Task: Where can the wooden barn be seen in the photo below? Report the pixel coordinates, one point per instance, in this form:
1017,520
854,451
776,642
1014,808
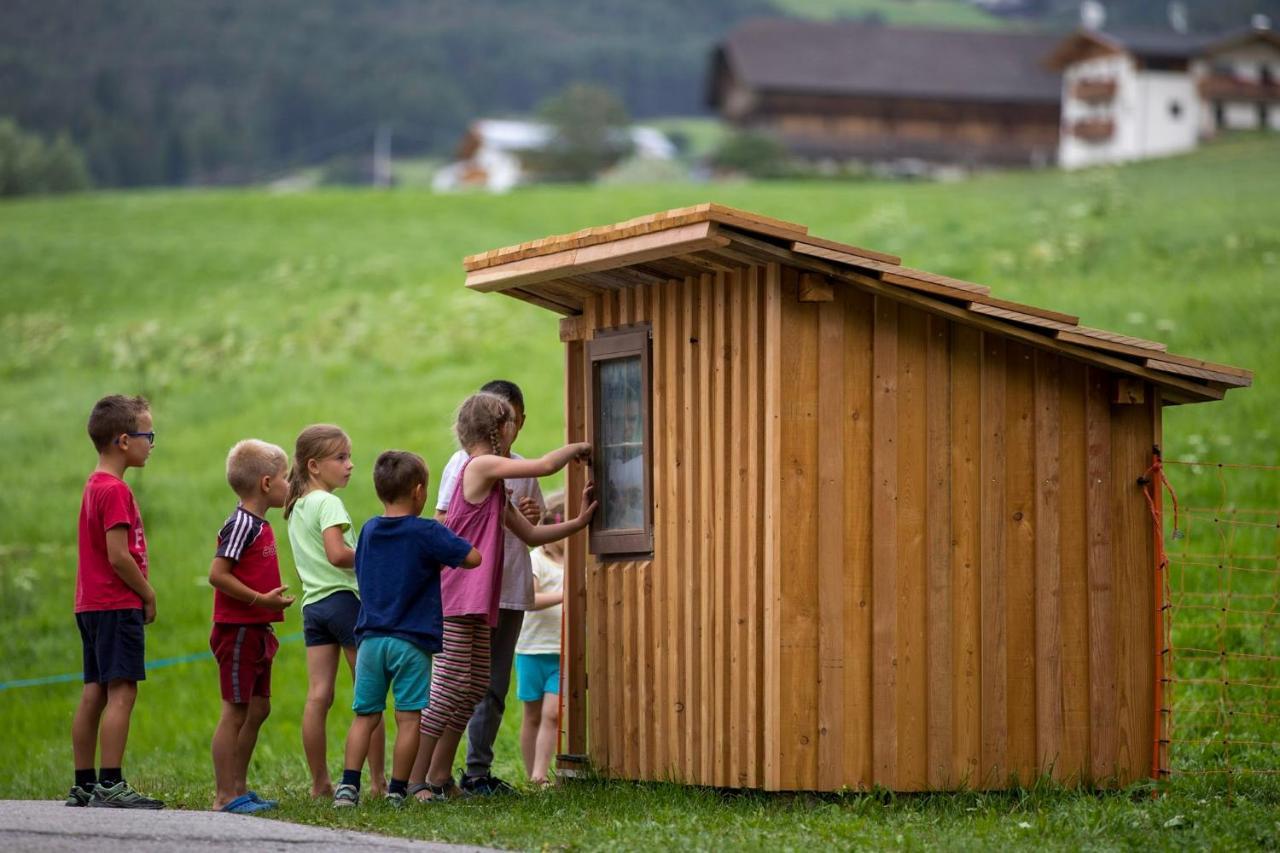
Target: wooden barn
860,524
847,90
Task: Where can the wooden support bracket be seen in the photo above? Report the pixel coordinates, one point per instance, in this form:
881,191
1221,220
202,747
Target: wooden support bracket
1127,391
573,328
815,288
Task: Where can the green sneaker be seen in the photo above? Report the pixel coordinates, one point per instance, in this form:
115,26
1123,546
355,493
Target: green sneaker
121,796
80,797
346,796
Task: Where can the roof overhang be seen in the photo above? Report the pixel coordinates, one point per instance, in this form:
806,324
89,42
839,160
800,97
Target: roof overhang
564,272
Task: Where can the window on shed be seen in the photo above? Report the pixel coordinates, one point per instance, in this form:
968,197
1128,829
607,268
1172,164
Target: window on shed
1175,109
620,416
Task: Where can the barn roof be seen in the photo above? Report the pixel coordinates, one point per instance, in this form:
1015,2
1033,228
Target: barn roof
848,58
1152,43
561,273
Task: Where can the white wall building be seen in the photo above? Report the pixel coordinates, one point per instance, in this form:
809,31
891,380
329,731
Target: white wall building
492,155
1134,95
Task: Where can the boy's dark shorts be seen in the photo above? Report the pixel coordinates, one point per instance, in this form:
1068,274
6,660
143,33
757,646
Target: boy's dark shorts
244,654
331,620
114,645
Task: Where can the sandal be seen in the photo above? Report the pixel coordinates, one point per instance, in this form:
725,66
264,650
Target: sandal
439,793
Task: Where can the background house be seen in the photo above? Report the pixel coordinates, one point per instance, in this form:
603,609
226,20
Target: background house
864,91
1134,94
494,154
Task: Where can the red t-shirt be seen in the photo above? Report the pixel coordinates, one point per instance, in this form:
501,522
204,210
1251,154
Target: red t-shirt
248,542
107,503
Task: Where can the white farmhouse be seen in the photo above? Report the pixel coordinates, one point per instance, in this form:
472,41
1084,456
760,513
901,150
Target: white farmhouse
493,153
1131,95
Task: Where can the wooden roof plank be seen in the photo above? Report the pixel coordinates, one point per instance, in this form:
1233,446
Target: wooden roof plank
1198,373
601,256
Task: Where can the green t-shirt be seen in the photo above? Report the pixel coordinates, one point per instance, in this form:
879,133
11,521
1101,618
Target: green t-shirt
313,514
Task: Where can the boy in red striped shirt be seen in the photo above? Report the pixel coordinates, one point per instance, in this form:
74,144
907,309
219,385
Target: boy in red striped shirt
247,598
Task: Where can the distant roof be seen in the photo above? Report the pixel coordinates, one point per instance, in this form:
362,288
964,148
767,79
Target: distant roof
1157,43
561,273
845,57
521,135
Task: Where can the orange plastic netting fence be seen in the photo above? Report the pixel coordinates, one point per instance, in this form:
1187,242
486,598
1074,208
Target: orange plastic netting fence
1218,627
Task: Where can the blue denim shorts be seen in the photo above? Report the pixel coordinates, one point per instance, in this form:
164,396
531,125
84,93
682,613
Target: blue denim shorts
390,662
537,675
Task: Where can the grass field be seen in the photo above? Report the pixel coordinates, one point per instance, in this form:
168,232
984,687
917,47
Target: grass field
934,13
241,313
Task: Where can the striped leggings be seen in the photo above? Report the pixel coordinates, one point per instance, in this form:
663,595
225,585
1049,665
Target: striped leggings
459,677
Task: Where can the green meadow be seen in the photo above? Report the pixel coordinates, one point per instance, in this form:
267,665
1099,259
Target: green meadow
244,313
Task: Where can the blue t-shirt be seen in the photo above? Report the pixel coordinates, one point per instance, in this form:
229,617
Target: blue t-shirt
398,569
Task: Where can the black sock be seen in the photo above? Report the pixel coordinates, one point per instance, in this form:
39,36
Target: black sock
86,778
398,786
109,776
351,777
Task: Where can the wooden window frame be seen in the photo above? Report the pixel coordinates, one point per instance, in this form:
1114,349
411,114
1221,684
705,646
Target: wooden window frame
608,345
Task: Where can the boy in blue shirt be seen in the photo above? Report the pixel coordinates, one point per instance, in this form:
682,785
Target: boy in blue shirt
398,560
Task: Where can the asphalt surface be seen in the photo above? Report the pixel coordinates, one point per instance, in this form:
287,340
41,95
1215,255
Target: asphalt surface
34,825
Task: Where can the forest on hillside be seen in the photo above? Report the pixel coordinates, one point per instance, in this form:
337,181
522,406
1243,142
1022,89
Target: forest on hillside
232,91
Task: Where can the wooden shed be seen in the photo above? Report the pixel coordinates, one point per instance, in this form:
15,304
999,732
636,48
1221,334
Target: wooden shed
860,524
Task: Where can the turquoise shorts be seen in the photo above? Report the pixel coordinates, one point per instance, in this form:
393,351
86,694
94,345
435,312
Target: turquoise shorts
537,675
383,662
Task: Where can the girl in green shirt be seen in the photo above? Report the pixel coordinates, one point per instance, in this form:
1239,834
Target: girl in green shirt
323,542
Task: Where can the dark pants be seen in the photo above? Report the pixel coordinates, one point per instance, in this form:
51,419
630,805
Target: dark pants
482,731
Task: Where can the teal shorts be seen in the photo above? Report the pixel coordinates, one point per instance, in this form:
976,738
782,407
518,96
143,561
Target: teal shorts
537,675
383,662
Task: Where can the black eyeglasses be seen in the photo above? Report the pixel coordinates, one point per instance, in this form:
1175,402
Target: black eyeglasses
149,436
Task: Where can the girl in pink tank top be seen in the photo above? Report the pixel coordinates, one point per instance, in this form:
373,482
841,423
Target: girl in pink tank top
478,512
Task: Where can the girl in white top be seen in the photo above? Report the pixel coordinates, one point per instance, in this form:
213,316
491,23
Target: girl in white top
538,654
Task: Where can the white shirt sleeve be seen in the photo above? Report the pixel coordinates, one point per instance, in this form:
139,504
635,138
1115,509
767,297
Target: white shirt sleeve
449,479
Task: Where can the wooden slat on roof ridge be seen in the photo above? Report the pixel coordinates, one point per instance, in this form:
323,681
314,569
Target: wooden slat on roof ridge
705,212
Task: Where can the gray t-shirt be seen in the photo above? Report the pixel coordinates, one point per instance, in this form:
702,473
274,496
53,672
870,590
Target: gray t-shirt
517,570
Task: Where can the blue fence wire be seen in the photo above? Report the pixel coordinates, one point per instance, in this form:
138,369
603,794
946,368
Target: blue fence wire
161,663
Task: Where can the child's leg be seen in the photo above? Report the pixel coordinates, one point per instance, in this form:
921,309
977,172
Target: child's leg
450,678
225,749
405,752
472,688
548,736
362,727
84,725
377,742
529,734
259,710
114,734
322,669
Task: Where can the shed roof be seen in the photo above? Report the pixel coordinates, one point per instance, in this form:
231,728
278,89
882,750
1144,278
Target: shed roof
849,58
562,272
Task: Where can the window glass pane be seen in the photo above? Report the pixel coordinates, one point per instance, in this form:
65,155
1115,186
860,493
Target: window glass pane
621,442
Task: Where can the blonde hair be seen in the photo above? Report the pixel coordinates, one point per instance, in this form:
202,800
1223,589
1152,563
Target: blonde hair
554,514
318,441
251,460
479,419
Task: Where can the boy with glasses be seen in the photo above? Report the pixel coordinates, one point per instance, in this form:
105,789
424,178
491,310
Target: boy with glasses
113,601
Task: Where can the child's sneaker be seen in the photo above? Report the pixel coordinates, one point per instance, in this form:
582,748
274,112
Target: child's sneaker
346,796
80,797
396,800
486,785
121,796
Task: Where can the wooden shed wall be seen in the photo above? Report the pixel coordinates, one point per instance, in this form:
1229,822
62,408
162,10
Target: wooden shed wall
965,559
857,579
673,646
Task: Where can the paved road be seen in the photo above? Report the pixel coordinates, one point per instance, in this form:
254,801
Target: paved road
49,827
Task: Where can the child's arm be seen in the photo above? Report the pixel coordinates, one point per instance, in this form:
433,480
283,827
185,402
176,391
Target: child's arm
473,559
336,550
544,533
126,567
505,468
543,600
221,578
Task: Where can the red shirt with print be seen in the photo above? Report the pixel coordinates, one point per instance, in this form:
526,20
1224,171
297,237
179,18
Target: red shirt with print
108,502
247,541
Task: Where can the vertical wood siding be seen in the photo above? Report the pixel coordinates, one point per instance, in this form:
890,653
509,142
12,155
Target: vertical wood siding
888,549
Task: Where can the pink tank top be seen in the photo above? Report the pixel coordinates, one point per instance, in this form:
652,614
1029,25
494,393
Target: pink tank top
475,592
